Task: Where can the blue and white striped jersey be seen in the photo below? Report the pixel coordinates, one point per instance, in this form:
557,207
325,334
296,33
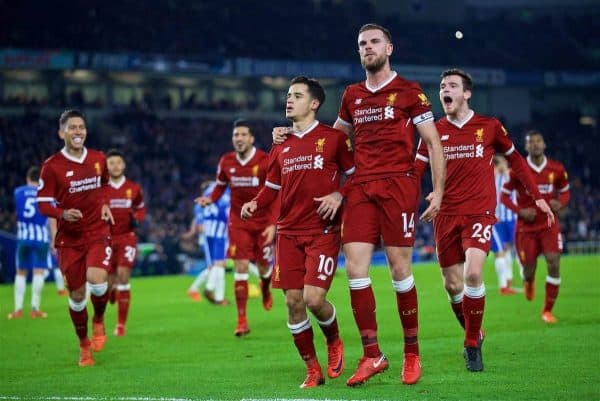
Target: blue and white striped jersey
32,226
502,212
215,215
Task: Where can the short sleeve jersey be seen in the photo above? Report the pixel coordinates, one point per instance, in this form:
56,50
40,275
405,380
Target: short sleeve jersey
503,213
469,149
384,121
551,178
125,198
309,165
245,178
214,217
32,226
76,184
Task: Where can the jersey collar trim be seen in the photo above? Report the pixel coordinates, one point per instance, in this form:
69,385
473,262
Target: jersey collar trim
535,167
75,159
244,162
383,84
117,184
462,123
301,134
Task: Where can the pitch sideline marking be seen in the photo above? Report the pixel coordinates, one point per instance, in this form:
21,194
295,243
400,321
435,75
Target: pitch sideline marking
89,398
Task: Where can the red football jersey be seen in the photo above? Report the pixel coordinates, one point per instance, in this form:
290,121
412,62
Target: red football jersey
551,179
469,149
246,178
126,202
384,120
309,165
72,183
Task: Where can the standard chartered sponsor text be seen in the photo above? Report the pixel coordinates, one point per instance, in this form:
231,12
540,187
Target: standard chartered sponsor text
367,115
85,184
459,152
298,163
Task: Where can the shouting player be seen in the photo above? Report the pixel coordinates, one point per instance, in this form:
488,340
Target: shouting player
463,227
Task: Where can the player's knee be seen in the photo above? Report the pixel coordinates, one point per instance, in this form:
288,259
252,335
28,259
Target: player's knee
77,295
553,266
294,301
400,268
314,303
473,278
96,276
453,287
98,289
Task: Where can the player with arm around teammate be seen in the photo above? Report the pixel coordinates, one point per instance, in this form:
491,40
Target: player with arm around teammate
381,115
306,170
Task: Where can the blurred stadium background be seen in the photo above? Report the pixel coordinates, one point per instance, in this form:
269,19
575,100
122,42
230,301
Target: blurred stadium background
164,80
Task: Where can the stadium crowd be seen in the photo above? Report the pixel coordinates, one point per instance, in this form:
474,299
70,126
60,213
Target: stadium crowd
195,28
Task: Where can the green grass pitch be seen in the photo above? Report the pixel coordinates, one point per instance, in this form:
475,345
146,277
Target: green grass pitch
178,349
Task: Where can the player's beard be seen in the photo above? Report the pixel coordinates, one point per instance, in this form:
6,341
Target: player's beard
376,65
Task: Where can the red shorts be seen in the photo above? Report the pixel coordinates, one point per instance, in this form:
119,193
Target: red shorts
306,259
124,251
386,209
249,244
530,244
74,261
455,234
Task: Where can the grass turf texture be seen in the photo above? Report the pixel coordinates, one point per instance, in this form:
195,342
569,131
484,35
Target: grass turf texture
176,348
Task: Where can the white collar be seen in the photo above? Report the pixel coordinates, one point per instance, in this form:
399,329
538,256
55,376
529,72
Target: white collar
244,162
462,123
117,184
535,167
384,83
73,158
301,134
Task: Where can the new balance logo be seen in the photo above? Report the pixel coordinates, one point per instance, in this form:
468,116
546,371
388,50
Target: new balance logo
445,137
286,149
69,173
358,101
